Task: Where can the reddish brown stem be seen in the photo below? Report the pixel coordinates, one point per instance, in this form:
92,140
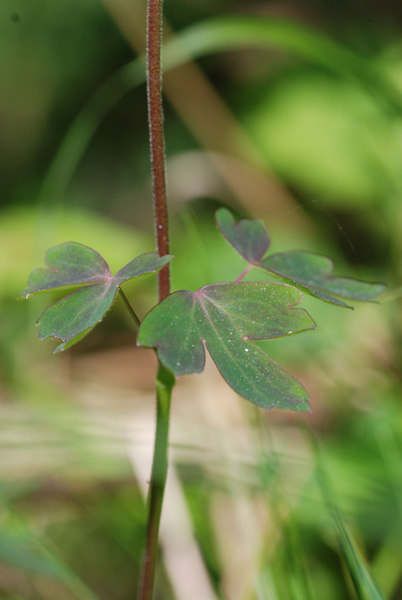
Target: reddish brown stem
244,273
155,114
165,380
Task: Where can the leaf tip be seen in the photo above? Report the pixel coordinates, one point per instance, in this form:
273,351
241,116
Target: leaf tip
59,348
24,295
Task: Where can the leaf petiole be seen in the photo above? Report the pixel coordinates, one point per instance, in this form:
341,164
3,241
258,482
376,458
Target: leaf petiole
129,307
244,273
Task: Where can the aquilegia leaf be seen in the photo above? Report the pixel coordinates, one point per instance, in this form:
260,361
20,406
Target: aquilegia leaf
73,264
308,271
313,272
224,318
78,312
68,264
249,236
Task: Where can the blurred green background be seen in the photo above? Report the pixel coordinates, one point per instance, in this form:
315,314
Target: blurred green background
288,111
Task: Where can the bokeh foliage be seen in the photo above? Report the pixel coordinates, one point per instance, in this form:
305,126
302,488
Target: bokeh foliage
303,131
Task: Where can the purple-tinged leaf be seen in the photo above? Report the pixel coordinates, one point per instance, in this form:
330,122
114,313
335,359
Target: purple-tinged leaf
249,236
224,318
75,264
313,272
74,340
141,265
68,264
76,313
307,270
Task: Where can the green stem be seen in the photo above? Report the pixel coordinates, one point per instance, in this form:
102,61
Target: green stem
129,307
164,384
165,379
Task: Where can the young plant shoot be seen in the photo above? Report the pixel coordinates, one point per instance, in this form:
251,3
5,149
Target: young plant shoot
223,318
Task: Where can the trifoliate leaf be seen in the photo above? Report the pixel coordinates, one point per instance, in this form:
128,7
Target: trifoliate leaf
306,270
73,264
313,271
224,318
249,237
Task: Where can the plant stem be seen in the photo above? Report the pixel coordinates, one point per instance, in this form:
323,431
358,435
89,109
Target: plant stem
155,115
165,380
164,384
244,273
130,308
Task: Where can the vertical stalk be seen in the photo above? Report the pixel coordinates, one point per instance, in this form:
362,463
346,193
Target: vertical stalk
155,115
164,384
165,379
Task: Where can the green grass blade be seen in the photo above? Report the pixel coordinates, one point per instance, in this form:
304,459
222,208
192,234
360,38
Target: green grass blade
27,553
363,581
209,37
360,573
226,33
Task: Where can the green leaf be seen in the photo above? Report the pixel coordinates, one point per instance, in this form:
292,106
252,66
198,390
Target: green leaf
249,237
313,271
224,318
77,312
74,340
306,270
25,551
145,263
71,264
68,264
360,573
211,36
